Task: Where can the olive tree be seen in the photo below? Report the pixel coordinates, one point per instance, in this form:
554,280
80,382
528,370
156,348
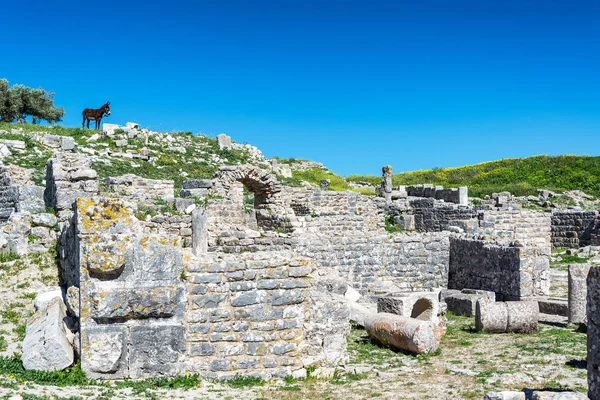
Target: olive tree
19,102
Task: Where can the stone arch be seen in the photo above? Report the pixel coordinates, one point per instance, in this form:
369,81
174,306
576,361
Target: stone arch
264,185
422,309
271,211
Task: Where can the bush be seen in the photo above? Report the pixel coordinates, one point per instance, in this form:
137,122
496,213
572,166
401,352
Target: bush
19,101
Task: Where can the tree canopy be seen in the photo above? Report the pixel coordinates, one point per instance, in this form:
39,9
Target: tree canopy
19,102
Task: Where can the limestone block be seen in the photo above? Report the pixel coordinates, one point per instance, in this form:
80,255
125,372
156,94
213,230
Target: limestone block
67,143
505,395
46,346
109,129
121,142
104,351
51,141
578,293
552,395
40,232
593,333
199,231
31,199
135,303
83,174
43,299
224,141
404,333
72,300
155,258
419,305
44,219
464,303
156,350
198,184
182,204
352,294
510,316
132,125
104,255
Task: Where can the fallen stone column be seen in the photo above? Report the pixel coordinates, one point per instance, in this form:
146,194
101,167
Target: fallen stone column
404,333
578,293
510,316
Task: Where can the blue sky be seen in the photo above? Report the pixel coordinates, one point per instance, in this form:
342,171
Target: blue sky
355,85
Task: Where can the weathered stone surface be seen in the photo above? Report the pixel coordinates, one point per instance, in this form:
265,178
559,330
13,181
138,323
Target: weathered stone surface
104,351
510,316
67,143
72,300
593,332
578,293
198,184
505,395
44,219
135,303
46,346
464,302
155,258
419,305
560,395
224,141
44,298
404,333
156,350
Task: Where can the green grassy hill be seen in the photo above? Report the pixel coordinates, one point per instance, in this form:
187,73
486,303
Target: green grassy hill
520,176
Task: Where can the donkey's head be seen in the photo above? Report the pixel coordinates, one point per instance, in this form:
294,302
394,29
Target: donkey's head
106,108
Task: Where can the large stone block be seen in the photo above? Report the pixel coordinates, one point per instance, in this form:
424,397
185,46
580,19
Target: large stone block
156,350
104,351
578,293
135,302
46,346
464,303
155,258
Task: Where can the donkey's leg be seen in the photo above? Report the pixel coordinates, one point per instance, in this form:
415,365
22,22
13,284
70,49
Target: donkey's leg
98,120
83,123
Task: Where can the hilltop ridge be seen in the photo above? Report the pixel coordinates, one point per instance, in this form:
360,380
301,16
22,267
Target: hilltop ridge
182,155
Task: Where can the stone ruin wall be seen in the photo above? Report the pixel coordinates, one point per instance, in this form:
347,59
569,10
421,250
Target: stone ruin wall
131,186
517,249
150,308
575,228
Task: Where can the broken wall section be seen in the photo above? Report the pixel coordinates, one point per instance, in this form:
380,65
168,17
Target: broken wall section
132,295
575,228
68,177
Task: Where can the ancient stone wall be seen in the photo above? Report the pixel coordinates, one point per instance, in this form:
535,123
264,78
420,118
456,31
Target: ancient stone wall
175,225
575,228
15,196
593,332
451,195
68,177
401,262
133,187
500,267
432,216
132,295
247,315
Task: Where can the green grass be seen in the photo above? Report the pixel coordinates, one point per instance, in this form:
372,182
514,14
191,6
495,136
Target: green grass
72,376
3,344
520,176
10,256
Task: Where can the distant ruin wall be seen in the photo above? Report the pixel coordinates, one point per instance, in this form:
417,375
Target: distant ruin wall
407,261
513,273
575,228
451,195
430,216
135,187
